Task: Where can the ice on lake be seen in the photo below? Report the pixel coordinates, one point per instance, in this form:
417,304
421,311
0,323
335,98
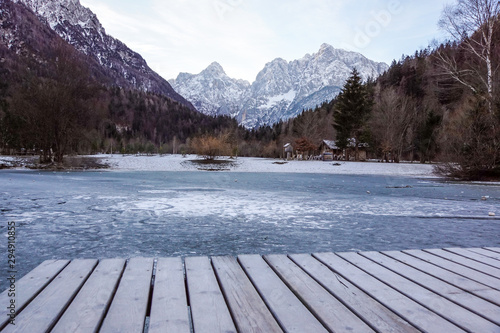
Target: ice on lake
126,214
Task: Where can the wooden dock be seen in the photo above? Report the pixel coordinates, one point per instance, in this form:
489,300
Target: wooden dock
438,290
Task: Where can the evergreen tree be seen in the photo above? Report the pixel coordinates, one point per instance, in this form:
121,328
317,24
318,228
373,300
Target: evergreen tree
351,112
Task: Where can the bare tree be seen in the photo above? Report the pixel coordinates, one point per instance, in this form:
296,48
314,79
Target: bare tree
210,147
472,24
55,106
305,146
391,122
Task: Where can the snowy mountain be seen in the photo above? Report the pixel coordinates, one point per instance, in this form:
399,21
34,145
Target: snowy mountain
80,27
281,90
221,94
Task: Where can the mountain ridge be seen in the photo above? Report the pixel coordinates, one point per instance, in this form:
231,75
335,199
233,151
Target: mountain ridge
80,27
281,90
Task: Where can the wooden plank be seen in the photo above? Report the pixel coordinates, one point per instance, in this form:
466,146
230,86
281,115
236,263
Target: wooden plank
468,262
450,277
483,261
493,249
43,312
371,311
419,316
329,310
86,312
464,318
479,268
169,307
487,253
432,257
208,308
127,312
249,311
291,314
29,286
473,303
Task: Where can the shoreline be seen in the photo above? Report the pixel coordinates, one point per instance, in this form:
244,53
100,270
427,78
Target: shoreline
180,163
267,165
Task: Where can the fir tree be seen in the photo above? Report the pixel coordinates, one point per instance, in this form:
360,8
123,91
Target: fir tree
351,112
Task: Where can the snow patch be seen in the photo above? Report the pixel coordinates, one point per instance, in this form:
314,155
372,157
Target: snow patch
272,101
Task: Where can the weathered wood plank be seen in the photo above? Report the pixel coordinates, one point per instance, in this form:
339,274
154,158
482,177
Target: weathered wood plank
418,315
43,312
462,260
467,272
450,277
493,249
127,312
208,308
487,253
481,259
29,286
249,311
87,310
291,314
169,307
329,310
473,303
458,315
372,312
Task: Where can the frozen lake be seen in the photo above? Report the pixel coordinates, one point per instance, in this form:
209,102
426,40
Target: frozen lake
127,214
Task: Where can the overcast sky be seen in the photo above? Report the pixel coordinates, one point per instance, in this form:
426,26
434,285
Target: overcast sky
243,35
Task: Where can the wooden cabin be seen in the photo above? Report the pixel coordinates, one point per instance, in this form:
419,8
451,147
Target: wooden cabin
330,151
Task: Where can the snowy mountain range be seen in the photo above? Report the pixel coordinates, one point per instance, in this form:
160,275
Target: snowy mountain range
281,90
80,27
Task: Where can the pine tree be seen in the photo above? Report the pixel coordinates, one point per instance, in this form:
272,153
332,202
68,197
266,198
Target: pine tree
351,112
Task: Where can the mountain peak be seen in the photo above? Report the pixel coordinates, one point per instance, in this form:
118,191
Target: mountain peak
214,69
325,46
281,90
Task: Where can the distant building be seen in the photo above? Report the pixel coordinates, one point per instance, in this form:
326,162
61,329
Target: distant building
330,151
288,149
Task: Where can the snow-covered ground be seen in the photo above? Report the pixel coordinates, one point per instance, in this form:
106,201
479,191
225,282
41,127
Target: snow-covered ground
251,164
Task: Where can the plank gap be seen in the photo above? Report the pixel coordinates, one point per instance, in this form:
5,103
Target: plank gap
46,283
299,297
492,249
473,256
151,288
217,278
346,304
457,267
458,296
261,296
427,298
188,298
72,298
390,303
112,297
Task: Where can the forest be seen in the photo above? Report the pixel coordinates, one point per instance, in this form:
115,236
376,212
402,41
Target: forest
440,104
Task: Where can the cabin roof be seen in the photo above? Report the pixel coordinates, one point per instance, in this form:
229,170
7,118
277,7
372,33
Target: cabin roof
352,142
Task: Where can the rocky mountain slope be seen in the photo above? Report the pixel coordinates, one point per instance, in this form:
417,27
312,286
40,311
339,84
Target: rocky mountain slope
281,90
80,27
212,91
